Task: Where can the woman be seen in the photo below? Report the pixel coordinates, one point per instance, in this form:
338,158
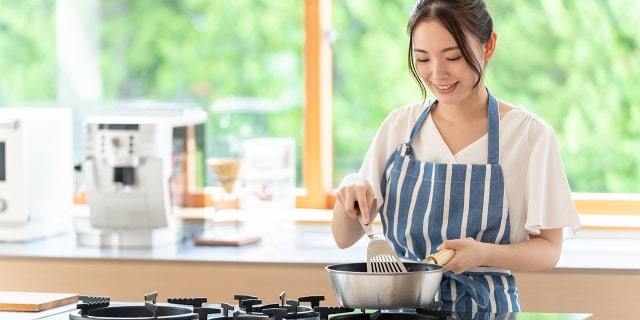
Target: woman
463,171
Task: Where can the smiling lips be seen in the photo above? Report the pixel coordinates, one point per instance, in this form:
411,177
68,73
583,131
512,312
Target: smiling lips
445,87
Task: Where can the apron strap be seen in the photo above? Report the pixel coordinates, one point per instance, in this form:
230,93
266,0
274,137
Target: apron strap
473,289
493,128
418,125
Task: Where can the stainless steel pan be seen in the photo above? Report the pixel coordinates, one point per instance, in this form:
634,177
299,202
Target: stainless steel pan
356,288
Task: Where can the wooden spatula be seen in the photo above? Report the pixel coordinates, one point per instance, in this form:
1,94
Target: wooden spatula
440,258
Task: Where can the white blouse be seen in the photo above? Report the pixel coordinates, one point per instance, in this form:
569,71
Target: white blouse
536,184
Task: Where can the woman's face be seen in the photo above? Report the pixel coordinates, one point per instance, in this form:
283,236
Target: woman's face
440,65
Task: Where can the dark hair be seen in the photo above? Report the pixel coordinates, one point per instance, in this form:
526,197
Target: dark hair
458,17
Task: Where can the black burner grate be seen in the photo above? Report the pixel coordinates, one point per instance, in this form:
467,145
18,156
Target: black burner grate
248,308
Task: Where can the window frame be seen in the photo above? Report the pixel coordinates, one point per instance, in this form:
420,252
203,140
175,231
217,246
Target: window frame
317,153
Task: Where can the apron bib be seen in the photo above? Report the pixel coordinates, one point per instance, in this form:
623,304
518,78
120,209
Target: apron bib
427,203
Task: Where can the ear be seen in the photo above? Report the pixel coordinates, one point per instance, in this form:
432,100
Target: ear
490,46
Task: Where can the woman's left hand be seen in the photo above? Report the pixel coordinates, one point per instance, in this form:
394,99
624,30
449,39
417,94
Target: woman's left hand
469,254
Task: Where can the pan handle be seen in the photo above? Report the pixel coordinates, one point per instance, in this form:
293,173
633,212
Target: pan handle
441,257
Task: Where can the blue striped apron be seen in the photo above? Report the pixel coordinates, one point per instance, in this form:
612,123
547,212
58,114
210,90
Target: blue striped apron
427,203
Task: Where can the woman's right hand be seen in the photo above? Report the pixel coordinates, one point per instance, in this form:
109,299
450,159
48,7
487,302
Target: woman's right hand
355,191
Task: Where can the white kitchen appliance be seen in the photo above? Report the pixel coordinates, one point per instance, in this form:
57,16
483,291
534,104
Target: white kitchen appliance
135,173
36,172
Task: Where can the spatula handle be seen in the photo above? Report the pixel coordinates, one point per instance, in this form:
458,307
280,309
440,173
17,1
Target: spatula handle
441,257
366,227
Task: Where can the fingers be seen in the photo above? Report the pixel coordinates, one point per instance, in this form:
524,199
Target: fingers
456,244
346,196
455,266
466,257
355,202
356,193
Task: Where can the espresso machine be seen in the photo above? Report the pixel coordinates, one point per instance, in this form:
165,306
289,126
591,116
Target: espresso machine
135,173
36,172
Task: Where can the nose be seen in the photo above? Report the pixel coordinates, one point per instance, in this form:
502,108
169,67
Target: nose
438,69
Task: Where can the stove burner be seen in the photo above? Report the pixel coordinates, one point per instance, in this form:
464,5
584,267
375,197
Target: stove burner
102,308
91,302
142,312
250,307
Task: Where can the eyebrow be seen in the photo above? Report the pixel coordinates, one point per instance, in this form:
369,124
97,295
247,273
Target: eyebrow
443,50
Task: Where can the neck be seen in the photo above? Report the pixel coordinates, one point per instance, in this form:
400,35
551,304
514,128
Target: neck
472,108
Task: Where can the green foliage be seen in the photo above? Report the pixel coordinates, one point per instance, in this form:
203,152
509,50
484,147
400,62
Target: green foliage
574,63
27,51
370,74
202,49
577,62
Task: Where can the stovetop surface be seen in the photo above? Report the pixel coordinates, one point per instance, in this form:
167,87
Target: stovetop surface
64,315
506,316
251,307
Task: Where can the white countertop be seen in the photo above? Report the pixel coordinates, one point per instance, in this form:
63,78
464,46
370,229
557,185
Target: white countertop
309,241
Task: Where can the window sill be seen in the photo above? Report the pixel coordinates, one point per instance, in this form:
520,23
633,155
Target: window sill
598,211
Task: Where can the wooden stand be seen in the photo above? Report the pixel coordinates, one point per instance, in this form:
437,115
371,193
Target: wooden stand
226,240
227,233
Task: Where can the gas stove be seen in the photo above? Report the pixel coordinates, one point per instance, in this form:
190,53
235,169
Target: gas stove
245,307
248,307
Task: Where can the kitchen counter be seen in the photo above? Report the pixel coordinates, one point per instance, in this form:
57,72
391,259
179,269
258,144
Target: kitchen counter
599,272
282,241
308,240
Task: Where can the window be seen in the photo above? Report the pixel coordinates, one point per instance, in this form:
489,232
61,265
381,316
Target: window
333,69
241,61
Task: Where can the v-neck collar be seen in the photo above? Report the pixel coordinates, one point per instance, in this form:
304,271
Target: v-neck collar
493,131
475,146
